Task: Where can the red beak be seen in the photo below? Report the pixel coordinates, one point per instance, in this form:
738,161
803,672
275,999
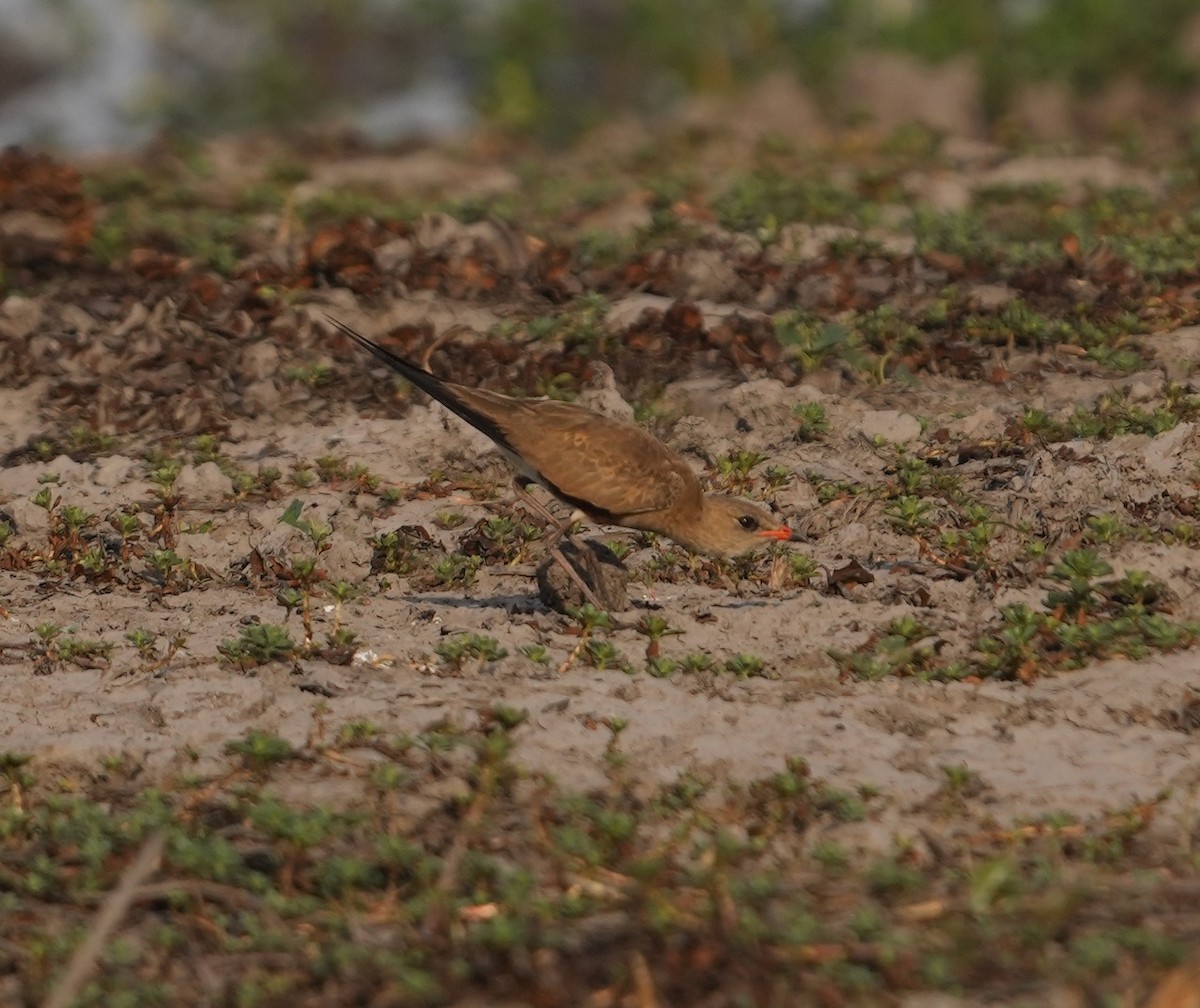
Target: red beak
783,534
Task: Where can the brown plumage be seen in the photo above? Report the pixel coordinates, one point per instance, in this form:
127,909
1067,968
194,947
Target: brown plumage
616,473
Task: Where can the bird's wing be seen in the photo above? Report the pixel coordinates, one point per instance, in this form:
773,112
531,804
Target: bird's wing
602,465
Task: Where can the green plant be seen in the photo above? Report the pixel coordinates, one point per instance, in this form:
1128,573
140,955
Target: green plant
457,569
743,666
698,661
93,561
621,548
764,199
735,469
258,644
801,568
901,649
1104,529
811,342
166,562
260,749
910,514
812,423
601,654
401,552
143,640
1077,571
590,618
449,519
456,650
662,667
776,477
303,476
313,375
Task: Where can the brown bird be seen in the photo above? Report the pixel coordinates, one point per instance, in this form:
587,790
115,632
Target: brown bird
613,472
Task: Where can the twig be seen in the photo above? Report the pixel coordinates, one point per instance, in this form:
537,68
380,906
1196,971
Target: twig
575,653
108,917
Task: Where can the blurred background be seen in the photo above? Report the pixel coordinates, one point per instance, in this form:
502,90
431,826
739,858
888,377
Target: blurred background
85,75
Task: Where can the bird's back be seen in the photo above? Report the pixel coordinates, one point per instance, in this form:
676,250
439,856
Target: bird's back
608,468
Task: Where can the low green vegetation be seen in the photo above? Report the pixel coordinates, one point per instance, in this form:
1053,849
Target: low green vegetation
1087,616
433,867
273,881
258,644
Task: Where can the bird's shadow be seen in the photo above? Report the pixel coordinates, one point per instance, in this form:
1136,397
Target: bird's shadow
509,603
747,603
533,603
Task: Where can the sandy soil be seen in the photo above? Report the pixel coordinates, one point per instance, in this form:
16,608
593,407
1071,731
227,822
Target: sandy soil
156,365
110,371
1105,736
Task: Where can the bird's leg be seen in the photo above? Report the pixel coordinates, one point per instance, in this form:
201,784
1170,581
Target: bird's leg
561,528
519,485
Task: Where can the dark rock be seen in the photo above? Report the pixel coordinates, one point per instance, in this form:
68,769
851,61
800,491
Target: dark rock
597,565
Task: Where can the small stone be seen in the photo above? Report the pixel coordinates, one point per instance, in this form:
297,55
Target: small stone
113,471
203,482
991,297
1180,354
889,425
262,398
1163,455
393,256
260,361
705,273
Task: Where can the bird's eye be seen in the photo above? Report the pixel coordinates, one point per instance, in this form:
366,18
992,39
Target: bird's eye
748,522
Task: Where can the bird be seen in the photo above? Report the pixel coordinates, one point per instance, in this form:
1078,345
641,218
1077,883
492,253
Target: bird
610,471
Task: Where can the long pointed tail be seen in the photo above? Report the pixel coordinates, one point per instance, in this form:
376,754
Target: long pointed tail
418,376
431,385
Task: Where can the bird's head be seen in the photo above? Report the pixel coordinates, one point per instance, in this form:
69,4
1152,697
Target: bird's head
731,527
